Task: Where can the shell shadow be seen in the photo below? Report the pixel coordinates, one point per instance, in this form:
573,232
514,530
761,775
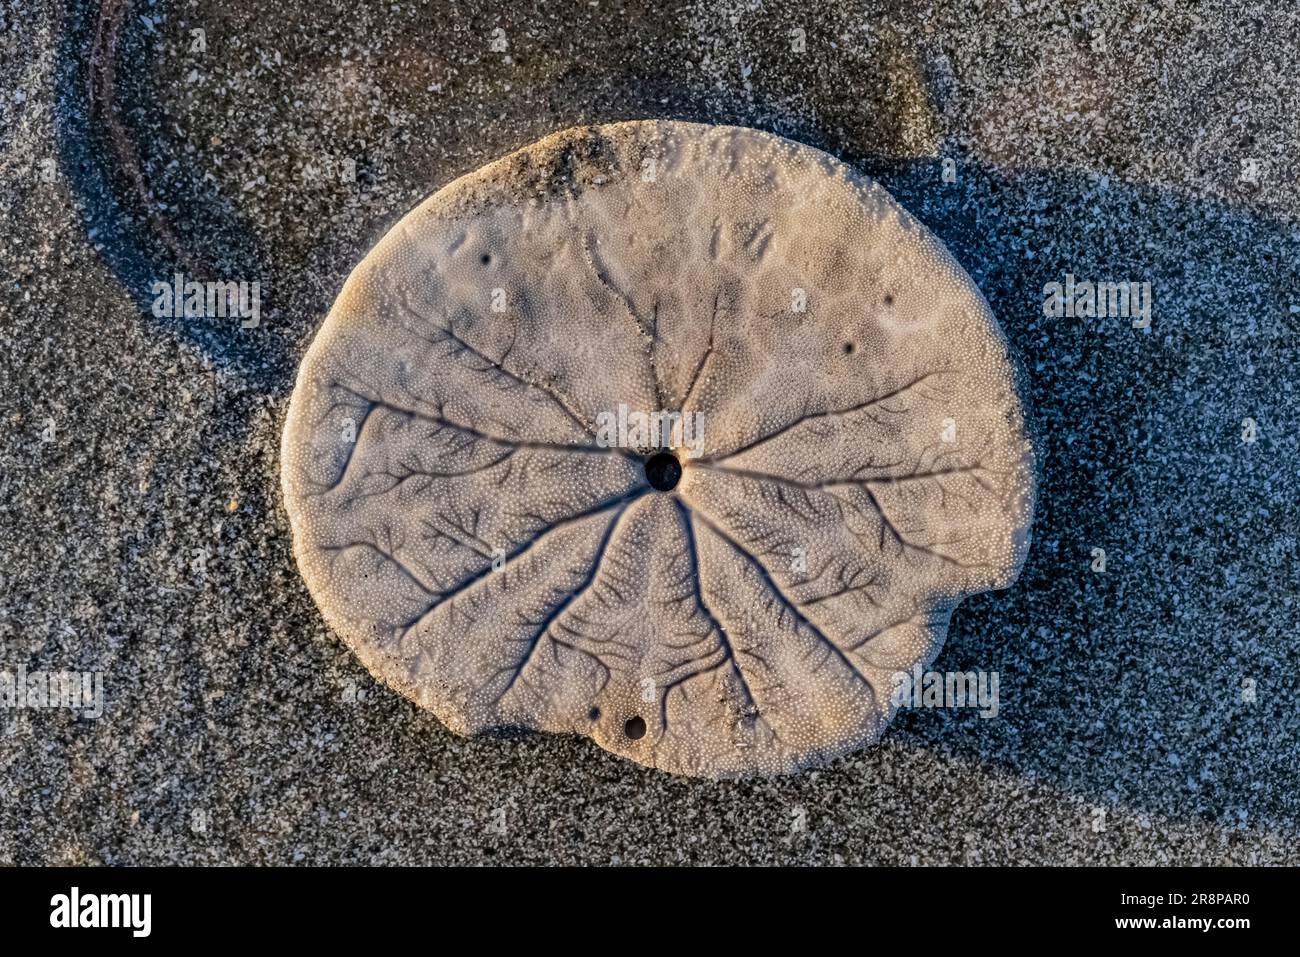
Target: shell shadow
1166,682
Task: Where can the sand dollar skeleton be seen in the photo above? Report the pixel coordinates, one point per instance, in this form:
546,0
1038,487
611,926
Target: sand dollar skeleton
481,512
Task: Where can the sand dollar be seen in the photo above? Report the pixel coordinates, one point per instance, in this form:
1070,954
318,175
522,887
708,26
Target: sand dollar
685,438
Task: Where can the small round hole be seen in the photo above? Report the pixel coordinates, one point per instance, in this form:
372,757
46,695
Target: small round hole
848,348
635,728
485,258
889,299
593,714
662,471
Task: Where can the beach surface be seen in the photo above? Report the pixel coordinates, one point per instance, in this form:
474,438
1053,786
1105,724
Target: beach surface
1146,713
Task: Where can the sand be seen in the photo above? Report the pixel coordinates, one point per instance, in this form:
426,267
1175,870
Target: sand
1146,713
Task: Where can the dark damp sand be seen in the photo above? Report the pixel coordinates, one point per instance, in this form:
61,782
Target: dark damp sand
238,729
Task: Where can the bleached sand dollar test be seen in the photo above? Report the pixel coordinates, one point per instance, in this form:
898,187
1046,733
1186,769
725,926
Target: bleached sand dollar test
463,523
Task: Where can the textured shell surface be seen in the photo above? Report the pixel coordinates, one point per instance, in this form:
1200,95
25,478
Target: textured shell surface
466,461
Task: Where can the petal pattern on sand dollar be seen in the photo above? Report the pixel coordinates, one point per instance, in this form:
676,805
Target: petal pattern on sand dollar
480,512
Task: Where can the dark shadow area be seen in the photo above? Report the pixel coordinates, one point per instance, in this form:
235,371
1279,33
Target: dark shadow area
148,207
1165,683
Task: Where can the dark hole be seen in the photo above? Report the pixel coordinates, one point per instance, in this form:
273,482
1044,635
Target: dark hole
889,299
485,258
662,470
593,714
848,348
635,728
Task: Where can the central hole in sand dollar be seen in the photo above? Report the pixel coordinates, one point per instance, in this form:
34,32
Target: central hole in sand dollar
662,471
